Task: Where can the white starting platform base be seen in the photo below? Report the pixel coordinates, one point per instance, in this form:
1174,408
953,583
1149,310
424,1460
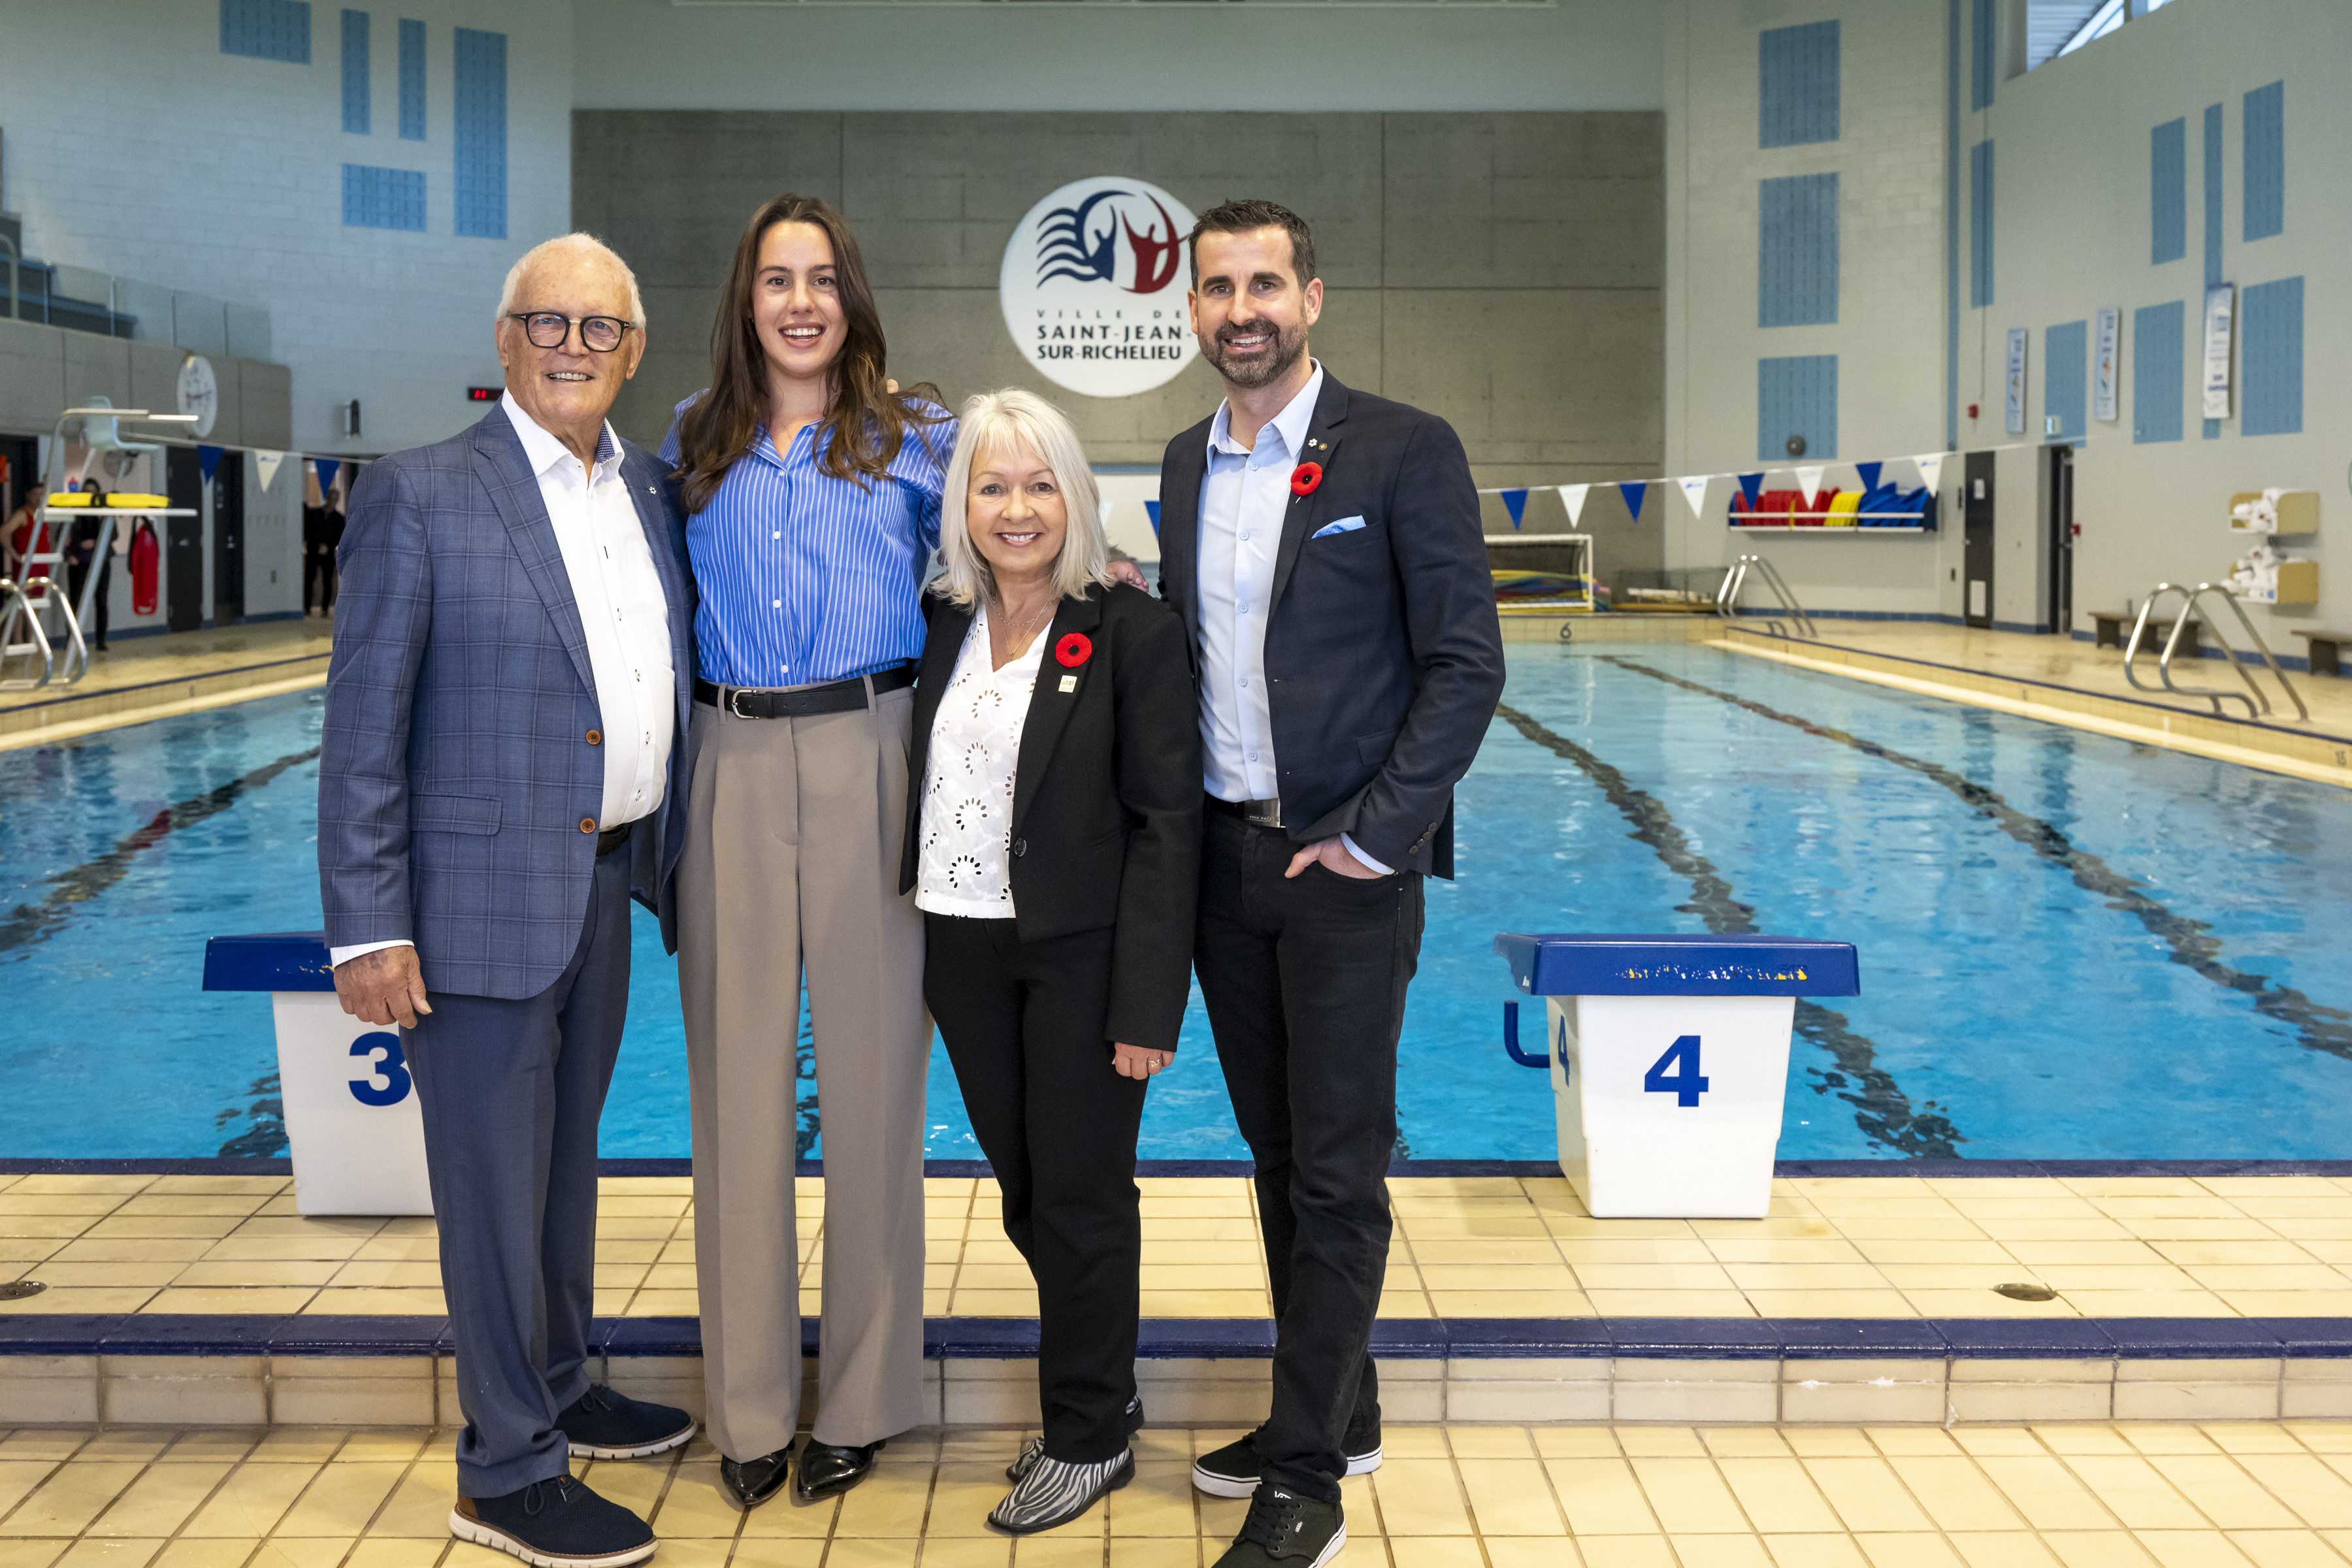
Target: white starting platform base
353,1125
1669,1062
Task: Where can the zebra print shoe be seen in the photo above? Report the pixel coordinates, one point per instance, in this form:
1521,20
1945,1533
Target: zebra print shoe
1034,1448
1054,1493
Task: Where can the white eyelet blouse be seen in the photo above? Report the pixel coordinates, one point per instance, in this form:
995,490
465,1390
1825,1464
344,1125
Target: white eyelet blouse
967,824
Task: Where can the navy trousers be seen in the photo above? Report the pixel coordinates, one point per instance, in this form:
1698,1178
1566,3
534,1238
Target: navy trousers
511,1092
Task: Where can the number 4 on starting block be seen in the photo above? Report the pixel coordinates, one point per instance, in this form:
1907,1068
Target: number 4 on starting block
1686,1085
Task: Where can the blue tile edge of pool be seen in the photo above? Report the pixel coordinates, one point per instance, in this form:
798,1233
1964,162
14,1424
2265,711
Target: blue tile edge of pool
280,1166
1163,1339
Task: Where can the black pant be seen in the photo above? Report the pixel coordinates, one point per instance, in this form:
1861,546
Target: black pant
1304,980
1024,1026
317,578
94,634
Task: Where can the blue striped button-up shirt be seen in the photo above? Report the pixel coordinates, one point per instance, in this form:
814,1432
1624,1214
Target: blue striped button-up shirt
806,578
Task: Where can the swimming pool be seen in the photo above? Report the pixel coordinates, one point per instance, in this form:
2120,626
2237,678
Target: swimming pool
2072,946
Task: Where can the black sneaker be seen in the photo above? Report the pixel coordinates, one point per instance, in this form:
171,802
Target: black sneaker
605,1424
1286,1530
1233,1470
554,1524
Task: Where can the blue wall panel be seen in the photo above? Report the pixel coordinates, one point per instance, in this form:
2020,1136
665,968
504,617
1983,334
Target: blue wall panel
2167,191
1981,224
2158,370
1796,396
2212,218
1797,251
480,101
2270,359
355,72
384,198
267,29
1797,78
1981,56
412,81
2065,379
2265,192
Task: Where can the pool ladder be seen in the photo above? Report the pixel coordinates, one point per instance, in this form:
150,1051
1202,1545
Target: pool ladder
23,605
2258,703
1735,578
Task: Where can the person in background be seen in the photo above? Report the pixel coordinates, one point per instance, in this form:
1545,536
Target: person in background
812,492
1323,547
81,554
322,532
498,778
22,536
1053,846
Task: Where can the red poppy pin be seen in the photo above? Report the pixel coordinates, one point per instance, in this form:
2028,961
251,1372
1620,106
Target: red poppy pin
1305,478
1073,651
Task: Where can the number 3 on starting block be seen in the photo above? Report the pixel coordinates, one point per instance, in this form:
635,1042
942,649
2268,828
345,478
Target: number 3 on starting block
393,1070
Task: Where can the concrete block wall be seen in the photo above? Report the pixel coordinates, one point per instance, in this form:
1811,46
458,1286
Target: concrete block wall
220,176
1502,270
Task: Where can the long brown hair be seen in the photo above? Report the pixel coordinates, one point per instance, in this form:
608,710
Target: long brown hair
867,423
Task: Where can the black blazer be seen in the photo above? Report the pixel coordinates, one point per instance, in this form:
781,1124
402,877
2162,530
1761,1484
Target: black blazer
1105,799
1383,655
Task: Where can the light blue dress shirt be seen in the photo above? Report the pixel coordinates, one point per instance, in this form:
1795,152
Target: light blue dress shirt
805,578
1245,500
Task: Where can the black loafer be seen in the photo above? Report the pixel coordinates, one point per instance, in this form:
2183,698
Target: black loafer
603,1423
754,1482
558,1523
825,1471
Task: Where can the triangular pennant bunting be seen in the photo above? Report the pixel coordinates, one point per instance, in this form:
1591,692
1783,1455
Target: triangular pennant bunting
1809,480
1751,485
1516,503
1572,497
1633,492
1869,472
207,461
1152,506
1931,470
1695,491
268,463
326,467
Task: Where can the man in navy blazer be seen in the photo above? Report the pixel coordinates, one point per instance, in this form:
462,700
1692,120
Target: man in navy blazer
501,771
1324,547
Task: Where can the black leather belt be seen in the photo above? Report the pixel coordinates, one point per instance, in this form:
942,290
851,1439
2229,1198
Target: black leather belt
1257,813
611,838
834,697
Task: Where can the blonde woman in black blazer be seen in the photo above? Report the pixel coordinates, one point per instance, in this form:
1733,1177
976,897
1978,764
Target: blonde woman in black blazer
1053,846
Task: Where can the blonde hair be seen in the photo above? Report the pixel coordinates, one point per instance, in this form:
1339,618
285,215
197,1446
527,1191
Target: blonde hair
580,244
993,421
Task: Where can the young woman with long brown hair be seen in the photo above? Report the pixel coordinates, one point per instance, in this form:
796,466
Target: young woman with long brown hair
811,490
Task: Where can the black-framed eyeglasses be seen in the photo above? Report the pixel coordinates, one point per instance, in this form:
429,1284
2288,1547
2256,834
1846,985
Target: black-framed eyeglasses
547,330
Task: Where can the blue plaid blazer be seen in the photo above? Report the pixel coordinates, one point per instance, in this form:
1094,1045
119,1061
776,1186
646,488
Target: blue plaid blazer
455,769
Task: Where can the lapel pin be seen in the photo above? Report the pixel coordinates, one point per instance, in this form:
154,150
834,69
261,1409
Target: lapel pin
1069,683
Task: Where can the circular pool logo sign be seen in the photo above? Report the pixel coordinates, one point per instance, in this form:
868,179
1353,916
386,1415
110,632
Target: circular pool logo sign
1093,287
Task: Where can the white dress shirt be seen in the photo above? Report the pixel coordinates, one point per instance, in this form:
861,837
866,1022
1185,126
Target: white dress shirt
1245,500
624,616
966,866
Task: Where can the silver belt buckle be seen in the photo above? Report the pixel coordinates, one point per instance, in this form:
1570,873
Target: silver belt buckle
1262,813
734,699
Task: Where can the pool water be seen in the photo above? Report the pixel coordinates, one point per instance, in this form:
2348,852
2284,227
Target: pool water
2072,947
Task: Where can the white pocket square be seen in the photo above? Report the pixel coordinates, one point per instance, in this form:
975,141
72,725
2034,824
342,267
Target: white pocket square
1345,525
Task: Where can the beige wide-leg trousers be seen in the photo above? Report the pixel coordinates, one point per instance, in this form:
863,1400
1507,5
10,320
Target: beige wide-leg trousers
792,873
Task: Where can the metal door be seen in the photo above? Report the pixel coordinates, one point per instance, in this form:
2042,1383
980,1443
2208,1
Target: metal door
1976,558
2062,540
183,541
228,539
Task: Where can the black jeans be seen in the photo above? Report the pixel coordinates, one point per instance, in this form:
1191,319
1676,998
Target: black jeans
318,579
77,576
1304,980
1023,1022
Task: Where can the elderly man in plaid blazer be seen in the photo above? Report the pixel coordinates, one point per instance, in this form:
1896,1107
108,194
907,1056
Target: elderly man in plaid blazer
512,668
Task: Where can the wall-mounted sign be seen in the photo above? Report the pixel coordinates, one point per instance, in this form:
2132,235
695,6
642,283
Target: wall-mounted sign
2103,385
198,392
2014,409
1093,287
2219,299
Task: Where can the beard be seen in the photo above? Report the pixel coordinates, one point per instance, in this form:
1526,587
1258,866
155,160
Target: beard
1270,366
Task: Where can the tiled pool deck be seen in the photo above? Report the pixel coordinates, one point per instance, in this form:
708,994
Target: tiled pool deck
178,1298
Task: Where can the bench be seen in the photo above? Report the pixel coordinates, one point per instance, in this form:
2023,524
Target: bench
2112,629
2326,648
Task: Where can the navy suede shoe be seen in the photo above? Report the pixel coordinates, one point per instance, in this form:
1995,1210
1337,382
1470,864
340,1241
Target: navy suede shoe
554,1524
605,1424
